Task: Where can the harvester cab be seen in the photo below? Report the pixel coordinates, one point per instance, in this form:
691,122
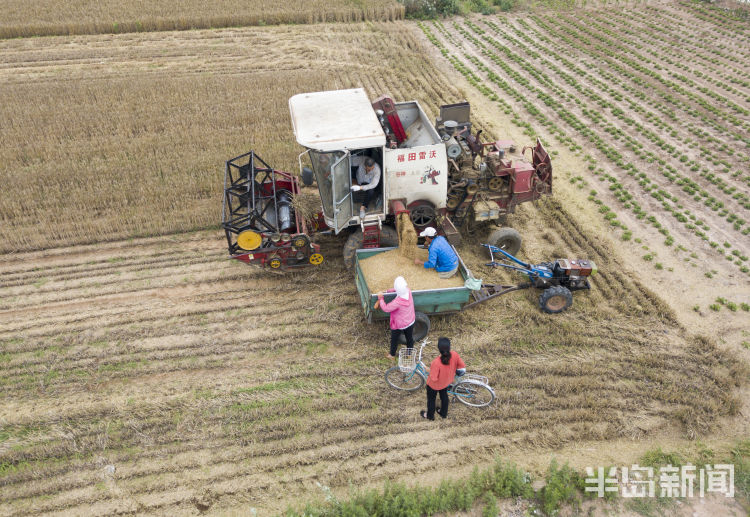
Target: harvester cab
342,129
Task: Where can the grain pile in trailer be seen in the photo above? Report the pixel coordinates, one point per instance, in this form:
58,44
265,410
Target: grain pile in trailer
382,269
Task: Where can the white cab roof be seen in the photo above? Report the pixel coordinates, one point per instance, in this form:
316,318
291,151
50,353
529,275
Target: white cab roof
334,120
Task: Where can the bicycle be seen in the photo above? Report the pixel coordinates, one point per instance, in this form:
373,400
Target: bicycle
411,374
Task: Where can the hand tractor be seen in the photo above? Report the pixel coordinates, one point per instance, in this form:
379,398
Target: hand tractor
557,279
428,170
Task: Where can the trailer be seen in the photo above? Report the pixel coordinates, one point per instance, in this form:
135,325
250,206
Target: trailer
427,302
556,279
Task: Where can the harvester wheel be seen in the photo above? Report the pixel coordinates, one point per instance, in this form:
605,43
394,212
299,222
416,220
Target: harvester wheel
274,263
388,238
421,328
507,239
555,299
316,259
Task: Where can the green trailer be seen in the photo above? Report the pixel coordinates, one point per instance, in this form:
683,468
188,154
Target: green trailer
427,302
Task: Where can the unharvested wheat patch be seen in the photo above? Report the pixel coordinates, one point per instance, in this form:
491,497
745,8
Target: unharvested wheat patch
173,112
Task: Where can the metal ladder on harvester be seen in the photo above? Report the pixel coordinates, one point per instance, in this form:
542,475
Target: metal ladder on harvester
371,234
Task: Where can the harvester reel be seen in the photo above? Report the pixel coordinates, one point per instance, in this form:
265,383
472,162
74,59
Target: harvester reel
249,240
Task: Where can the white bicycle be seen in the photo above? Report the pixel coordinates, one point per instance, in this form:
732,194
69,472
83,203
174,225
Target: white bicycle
411,374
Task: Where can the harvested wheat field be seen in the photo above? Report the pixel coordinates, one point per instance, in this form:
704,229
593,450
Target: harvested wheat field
144,372
156,375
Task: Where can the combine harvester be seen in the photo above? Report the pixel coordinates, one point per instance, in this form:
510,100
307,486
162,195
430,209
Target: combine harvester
429,171
430,177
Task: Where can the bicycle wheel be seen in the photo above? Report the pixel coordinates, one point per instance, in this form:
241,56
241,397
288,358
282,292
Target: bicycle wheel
474,394
405,381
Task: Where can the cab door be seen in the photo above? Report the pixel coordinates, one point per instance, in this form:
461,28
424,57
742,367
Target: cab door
342,194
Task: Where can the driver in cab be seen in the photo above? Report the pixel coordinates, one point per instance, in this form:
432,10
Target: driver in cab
368,177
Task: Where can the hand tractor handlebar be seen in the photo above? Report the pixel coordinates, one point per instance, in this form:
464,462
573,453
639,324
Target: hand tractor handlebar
538,271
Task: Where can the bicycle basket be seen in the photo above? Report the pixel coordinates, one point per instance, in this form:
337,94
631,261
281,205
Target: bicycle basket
407,359
472,377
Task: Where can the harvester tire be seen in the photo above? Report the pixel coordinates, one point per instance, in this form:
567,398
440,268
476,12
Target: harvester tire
388,238
555,299
507,239
421,328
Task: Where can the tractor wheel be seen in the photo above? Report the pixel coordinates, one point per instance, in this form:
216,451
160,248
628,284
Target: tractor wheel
507,239
388,238
421,328
555,299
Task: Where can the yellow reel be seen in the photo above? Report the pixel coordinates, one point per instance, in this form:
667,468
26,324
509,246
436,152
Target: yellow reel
249,240
274,263
316,259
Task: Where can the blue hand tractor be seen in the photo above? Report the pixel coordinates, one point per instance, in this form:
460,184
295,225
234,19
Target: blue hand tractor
558,279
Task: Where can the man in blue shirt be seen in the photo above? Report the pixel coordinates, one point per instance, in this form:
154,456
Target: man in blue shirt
441,256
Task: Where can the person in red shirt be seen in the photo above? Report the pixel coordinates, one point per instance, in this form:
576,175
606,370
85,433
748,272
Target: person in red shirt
443,371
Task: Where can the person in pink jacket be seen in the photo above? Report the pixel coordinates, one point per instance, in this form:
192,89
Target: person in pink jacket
401,309
443,371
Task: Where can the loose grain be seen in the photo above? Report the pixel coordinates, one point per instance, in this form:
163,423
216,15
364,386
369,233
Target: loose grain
407,237
382,269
